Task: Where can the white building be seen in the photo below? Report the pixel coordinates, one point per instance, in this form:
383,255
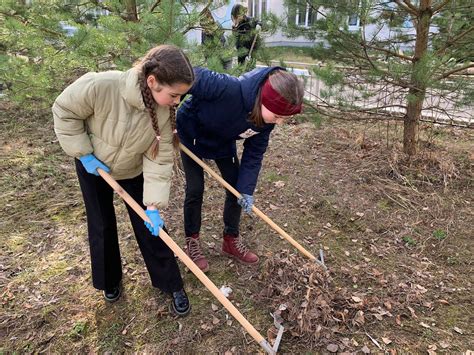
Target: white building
304,17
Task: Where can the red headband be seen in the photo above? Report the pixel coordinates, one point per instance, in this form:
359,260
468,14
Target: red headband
276,103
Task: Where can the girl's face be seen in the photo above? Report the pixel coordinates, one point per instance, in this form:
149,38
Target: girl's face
167,95
236,20
270,117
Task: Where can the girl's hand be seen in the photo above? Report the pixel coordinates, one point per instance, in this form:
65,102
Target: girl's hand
91,164
246,202
156,221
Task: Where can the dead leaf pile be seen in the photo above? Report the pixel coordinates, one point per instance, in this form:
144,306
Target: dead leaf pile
314,309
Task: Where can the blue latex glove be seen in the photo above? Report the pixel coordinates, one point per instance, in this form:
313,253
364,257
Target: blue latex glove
155,218
246,202
91,164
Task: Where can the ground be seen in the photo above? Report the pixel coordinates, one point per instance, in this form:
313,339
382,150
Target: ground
396,234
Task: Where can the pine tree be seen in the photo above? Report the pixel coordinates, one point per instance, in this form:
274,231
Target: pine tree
430,56
47,44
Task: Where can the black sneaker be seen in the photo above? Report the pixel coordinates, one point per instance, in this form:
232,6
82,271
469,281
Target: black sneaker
113,294
180,303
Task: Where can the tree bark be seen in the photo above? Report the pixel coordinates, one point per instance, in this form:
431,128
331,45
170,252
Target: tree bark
417,92
131,10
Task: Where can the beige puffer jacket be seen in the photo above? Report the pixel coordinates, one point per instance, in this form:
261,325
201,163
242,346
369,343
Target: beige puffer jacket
104,114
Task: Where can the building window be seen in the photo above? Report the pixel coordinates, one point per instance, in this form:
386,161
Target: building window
353,20
302,14
257,8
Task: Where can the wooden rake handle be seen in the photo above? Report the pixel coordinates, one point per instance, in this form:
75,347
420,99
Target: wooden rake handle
190,264
254,209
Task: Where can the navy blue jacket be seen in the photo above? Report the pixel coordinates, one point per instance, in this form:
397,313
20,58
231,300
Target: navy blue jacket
217,114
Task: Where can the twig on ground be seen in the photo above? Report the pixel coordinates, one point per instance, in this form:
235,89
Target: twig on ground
374,341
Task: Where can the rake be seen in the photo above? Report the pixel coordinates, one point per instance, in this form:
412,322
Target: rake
256,210
191,266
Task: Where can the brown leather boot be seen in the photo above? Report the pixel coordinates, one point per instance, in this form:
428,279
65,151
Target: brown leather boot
193,249
234,247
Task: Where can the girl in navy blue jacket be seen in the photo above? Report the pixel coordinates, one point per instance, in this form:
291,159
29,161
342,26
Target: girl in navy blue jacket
221,110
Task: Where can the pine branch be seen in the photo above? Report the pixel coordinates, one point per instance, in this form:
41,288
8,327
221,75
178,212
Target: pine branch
155,5
454,71
103,6
110,9
26,21
192,26
412,10
388,51
183,5
440,6
410,5
453,41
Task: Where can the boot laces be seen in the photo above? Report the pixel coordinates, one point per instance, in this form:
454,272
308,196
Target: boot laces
194,249
241,247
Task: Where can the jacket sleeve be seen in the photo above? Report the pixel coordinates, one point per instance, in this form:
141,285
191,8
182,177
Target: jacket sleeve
251,163
70,110
157,172
208,85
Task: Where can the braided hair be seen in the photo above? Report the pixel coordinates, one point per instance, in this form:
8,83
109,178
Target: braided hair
169,65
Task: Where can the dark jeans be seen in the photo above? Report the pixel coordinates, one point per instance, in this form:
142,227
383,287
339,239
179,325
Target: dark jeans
229,168
103,240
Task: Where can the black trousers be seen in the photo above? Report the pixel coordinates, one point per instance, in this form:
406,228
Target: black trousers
229,168
103,240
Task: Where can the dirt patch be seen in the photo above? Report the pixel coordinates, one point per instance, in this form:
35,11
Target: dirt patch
397,237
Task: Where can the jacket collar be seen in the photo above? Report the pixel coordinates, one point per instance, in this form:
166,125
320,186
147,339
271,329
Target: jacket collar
250,83
130,89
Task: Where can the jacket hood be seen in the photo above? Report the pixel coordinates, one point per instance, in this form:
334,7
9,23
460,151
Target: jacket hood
130,89
250,84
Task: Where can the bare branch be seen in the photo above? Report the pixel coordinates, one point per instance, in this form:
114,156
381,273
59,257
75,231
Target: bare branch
103,6
451,72
388,51
154,6
183,5
410,5
440,6
192,26
414,11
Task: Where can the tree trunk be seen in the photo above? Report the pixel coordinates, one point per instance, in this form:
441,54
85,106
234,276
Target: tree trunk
417,92
131,10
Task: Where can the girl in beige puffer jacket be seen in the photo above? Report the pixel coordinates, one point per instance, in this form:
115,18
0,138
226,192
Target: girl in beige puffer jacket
124,123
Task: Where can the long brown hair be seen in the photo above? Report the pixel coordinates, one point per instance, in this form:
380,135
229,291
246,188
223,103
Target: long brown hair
169,65
287,85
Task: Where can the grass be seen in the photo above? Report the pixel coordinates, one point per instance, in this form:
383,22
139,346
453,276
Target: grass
272,176
335,194
440,234
290,54
410,241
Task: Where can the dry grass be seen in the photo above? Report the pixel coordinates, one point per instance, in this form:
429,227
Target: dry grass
397,236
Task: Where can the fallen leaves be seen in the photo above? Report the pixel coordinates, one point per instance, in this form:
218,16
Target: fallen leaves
332,348
458,330
313,307
444,344
359,318
279,184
